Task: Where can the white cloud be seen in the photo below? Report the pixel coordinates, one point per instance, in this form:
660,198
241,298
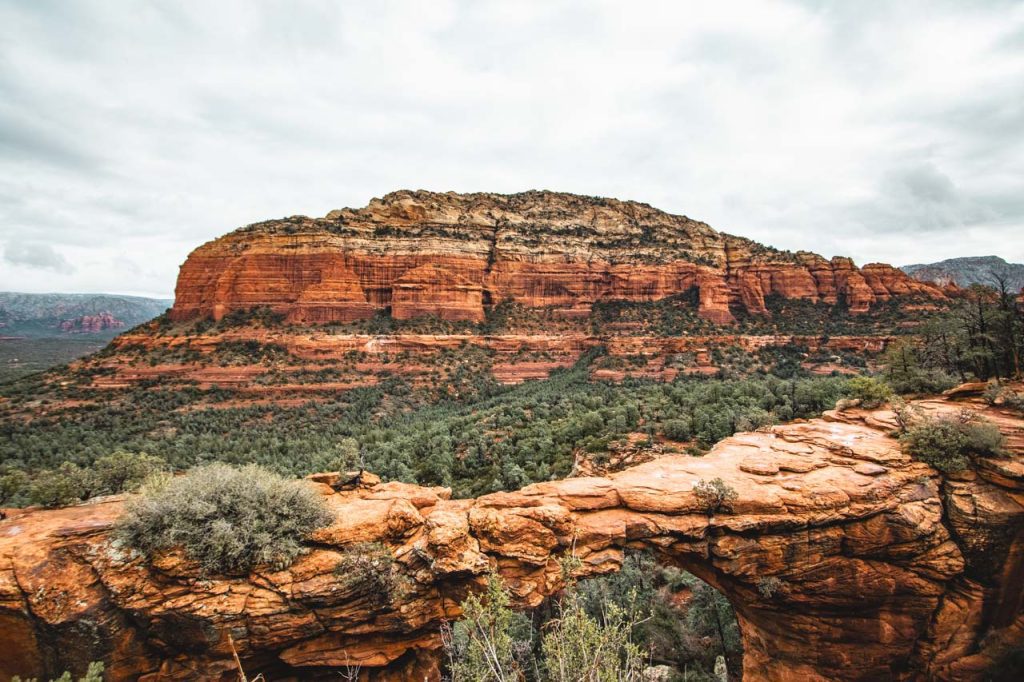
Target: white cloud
37,256
130,133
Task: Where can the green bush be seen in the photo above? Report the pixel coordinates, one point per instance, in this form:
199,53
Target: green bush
924,381
492,642
679,620
13,484
950,443
123,471
93,674
227,519
577,646
997,394
677,429
371,567
870,391
714,496
67,484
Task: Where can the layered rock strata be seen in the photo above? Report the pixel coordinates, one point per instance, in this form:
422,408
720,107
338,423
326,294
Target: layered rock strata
513,358
886,570
452,255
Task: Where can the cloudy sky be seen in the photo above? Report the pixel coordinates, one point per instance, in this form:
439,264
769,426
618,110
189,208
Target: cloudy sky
131,132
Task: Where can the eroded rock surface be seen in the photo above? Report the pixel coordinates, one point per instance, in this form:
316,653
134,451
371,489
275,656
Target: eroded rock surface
449,255
887,571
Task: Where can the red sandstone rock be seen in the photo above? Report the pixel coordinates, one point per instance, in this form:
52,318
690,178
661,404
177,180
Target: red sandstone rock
435,290
887,572
515,357
452,254
90,324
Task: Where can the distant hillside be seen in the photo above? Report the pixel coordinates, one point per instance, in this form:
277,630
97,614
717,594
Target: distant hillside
39,315
968,270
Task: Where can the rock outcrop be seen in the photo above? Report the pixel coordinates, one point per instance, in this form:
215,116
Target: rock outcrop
511,358
887,570
452,255
90,324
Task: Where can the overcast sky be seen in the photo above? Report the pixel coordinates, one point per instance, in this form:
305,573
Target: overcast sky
132,132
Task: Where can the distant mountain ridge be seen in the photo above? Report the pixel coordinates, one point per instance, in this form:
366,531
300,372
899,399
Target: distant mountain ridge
24,314
967,271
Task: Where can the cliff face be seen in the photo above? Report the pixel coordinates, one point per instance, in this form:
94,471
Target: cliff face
887,571
88,324
450,255
512,358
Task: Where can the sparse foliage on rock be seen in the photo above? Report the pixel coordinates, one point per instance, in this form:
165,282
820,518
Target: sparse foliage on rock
93,674
769,586
371,567
714,496
951,443
871,392
227,519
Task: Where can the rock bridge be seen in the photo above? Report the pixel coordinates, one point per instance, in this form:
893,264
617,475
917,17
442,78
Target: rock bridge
885,570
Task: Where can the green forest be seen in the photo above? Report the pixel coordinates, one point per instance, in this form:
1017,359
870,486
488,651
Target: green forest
499,438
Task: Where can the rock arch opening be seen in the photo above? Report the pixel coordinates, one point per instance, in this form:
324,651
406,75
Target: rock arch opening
687,628
648,620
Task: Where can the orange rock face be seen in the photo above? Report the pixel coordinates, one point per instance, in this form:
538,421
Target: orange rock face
436,290
887,571
514,357
452,255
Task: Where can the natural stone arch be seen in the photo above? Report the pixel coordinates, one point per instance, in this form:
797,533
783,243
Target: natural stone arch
874,585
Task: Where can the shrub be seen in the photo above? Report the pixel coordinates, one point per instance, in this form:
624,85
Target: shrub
227,519
950,443
677,429
13,484
996,394
993,392
371,567
870,391
924,381
578,646
123,471
769,586
93,674
492,642
715,495
67,484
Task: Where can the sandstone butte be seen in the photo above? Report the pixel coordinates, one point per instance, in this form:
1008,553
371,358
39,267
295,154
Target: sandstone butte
88,324
887,570
451,255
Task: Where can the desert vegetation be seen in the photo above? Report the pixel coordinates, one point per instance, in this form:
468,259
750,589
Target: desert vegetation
952,443
225,519
493,438
644,620
94,673
981,336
